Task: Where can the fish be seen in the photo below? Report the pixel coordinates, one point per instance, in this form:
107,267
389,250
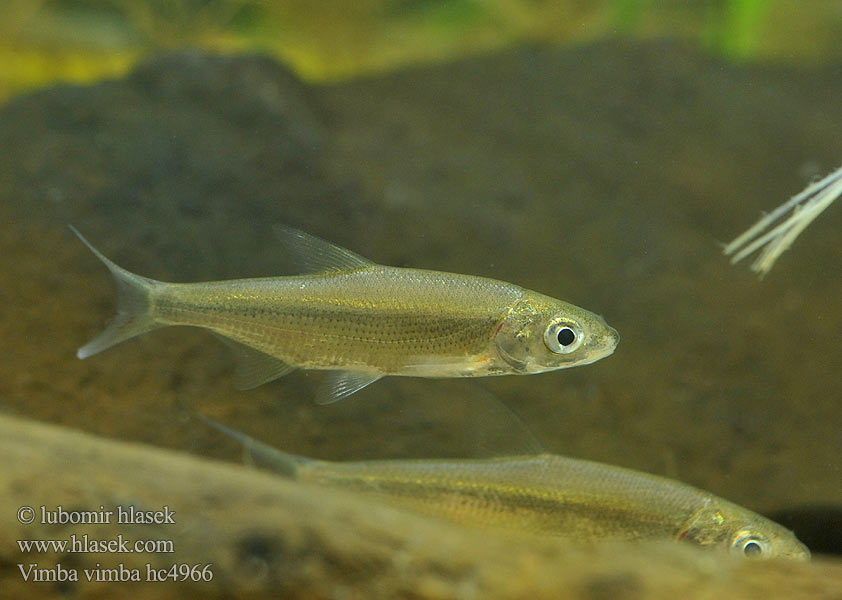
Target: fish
546,495
361,321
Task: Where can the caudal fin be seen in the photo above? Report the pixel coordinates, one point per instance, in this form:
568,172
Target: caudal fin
133,313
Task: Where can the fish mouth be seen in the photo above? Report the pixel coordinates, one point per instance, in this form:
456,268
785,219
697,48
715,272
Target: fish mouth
800,552
604,352
609,343
614,337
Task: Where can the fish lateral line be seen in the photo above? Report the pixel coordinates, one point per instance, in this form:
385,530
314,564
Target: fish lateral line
361,320
547,495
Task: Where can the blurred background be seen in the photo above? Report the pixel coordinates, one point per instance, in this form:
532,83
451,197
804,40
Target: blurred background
83,40
596,151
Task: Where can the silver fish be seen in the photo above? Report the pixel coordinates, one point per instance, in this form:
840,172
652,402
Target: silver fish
546,494
363,321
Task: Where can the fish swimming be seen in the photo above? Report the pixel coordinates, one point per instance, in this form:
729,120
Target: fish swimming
362,321
546,494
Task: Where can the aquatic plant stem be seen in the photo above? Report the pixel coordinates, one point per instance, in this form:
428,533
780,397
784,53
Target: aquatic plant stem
805,207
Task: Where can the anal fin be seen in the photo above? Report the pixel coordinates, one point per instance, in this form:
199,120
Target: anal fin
341,384
254,368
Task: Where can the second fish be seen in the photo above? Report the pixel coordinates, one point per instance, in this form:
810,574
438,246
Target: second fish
362,321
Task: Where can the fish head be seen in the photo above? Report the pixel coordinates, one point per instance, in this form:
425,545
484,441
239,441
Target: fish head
741,532
540,334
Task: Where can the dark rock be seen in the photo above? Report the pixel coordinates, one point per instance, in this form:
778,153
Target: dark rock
605,175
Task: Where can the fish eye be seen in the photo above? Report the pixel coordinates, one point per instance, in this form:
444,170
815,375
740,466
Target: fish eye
563,336
751,545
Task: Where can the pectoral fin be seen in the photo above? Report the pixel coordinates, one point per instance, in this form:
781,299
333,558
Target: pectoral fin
254,368
340,384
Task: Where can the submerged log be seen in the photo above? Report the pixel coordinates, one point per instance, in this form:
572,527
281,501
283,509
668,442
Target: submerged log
264,536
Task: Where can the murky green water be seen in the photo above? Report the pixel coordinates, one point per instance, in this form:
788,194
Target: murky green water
606,174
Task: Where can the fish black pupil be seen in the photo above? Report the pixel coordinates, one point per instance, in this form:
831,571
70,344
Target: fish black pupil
566,336
752,549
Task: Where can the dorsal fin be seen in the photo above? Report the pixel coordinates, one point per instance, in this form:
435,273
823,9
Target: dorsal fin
260,454
495,429
311,254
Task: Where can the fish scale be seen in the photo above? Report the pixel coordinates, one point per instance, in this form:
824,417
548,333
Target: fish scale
545,494
331,327
363,321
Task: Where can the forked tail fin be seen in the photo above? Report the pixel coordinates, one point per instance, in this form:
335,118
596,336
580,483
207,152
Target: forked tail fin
133,312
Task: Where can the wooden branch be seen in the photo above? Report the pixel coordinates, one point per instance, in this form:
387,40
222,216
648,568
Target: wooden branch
270,537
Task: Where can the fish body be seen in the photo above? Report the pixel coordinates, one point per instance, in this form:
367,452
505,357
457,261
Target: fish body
548,495
364,321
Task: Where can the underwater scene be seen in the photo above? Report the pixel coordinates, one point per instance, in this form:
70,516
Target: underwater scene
434,299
